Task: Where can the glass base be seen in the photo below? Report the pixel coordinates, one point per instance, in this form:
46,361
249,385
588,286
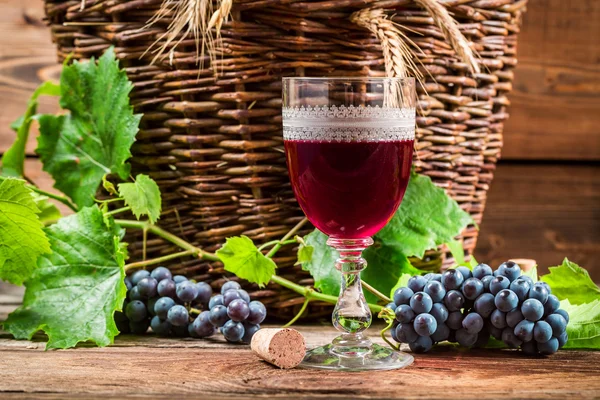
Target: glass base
378,358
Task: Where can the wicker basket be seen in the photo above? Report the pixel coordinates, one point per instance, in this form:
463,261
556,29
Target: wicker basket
214,142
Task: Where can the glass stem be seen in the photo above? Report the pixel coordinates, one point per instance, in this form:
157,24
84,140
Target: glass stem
351,315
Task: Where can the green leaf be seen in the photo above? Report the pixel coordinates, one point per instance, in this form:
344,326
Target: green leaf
426,218
22,239
79,148
473,263
322,263
305,253
402,282
48,211
584,325
571,282
13,160
143,196
108,186
458,253
74,293
241,257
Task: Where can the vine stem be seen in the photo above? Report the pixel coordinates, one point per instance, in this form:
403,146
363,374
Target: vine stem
376,292
299,314
159,260
118,210
62,199
288,235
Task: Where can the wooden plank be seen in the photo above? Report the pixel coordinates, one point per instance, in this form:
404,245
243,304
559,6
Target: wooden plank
556,97
201,368
544,212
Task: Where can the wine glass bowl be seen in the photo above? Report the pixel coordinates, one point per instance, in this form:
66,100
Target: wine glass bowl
349,146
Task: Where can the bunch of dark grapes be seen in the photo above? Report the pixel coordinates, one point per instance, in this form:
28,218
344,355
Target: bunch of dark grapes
164,302
468,307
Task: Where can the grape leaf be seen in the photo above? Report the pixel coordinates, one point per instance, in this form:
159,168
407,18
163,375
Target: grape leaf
426,218
241,257
22,239
94,139
75,291
385,266
143,196
48,212
584,325
13,160
305,253
571,282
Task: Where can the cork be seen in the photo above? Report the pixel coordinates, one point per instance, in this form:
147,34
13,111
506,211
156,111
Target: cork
284,348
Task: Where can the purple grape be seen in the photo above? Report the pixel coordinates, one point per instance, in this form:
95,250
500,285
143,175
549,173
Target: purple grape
465,271
416,283
249,331
524,330
402,295
556,321
202,326
404,313
244,295
439,312
484,305
454,300
178,316
166,288
179,278
435,290
230,285
233,331
564,314
472,288
162,307
510,269
147,287
527,279
552,305
425,324
422,345
161,273
521,288
138,276
230,295
482,270
542,332
150,305
452,279
204,292
532,309
218,315
486,282
562,339
509,338
465,339
499,283
472,323
136,311
441,333
238,310
548,348
128,283
495,332
159,326
258,312
421,303
454,320
391,306
506,300
498,319
406,333
186,291
134,294
215,300
514,317
539,292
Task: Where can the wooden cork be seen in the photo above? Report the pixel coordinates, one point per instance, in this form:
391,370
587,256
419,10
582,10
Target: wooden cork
284,348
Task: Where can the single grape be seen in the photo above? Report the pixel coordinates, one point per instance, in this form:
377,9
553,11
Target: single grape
486,282
532,309
539,292
159,326
454,320
406,333
421,303
218,315
465,271
402,295
134,294
496,273
484,305
147,287
510,269
230,295
526,279
139,327
439,312
548,348
167,288
499,283
244,295
495,332
498,319
258,312
436,277
233,331
136,311
204,292
150,306
238,310
186,291
249,331
562,339
160,273
465,338
162,307
404,313
138,276
435,290
441,333
178,315
425,324
509,338
230,285
128,283
521,288
202,325
524,330
391,306
482,270
529,348
422,345
552,305
545,284
542,332
452,279
472,323
556,321
564,314
514,317
472,288
454,300
506,300
192,332
393,332
215,300
416,283
179,278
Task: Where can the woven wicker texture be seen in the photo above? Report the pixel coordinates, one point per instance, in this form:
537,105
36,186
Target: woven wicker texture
214,142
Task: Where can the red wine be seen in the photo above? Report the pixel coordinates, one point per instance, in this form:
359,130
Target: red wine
351,189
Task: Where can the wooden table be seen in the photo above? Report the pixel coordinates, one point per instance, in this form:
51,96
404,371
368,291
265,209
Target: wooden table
141,366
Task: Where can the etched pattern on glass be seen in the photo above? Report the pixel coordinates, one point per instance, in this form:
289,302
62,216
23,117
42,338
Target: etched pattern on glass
348,124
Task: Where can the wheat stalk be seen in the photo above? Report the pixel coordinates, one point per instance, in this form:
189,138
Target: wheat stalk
449,28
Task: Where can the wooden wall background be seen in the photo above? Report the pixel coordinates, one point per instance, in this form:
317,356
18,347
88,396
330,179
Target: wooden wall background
545,200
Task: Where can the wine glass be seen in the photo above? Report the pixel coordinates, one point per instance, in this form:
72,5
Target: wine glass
349,146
